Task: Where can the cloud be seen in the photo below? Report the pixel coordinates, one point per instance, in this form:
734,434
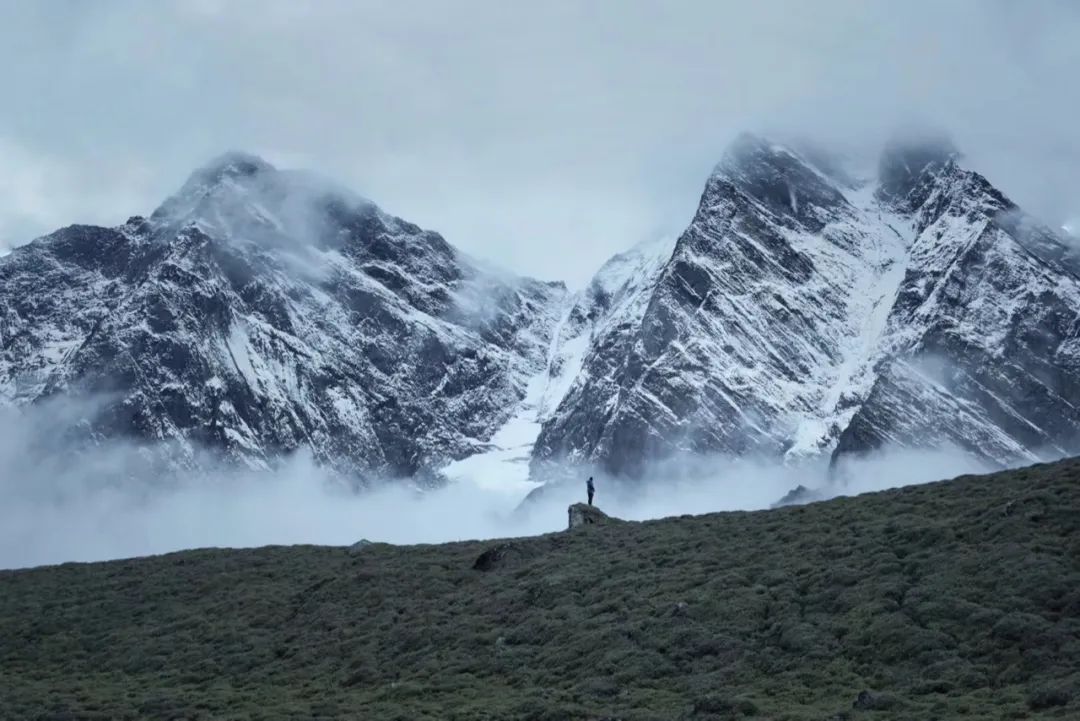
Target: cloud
545,136
97,502
41,192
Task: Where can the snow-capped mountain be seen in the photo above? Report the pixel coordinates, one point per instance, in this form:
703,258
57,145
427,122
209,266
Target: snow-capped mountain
806,312
259,311
983,339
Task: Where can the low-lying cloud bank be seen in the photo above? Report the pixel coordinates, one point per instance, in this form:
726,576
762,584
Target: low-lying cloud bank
53,510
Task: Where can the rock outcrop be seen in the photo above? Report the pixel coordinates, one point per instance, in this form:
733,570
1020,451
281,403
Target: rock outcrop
800,495
363,545
504,554
582,514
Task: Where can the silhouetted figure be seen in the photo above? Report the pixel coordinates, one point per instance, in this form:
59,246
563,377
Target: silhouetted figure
590,489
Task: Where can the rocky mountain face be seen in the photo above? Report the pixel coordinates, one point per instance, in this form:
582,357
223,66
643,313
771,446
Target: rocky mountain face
807,312
260,311
984,335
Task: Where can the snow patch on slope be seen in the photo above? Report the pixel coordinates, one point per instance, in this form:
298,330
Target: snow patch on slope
617,295
504,464
875,283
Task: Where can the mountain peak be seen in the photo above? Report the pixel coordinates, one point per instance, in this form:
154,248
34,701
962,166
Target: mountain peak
233,168
752,157
776,177
233,165
239,195
746,151
908,153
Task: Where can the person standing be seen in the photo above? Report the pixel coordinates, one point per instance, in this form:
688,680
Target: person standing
590,488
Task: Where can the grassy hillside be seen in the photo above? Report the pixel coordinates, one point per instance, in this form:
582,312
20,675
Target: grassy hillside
952,600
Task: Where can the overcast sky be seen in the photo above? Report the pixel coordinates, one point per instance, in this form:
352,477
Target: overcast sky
544,136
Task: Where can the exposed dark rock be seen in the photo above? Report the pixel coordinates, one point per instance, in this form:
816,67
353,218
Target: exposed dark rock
501,555
867,701
259,312
908,156
361,546
799,495
803,313
582,514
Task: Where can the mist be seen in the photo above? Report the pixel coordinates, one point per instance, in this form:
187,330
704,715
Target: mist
99,503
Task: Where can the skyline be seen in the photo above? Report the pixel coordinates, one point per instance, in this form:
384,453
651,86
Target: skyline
544,140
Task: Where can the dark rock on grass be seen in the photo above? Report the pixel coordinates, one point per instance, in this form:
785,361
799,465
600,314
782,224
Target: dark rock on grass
798,496
582,514
362,545
867,701
1044,698
510,552
500,555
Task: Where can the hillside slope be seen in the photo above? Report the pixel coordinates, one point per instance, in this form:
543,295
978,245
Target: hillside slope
957,599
